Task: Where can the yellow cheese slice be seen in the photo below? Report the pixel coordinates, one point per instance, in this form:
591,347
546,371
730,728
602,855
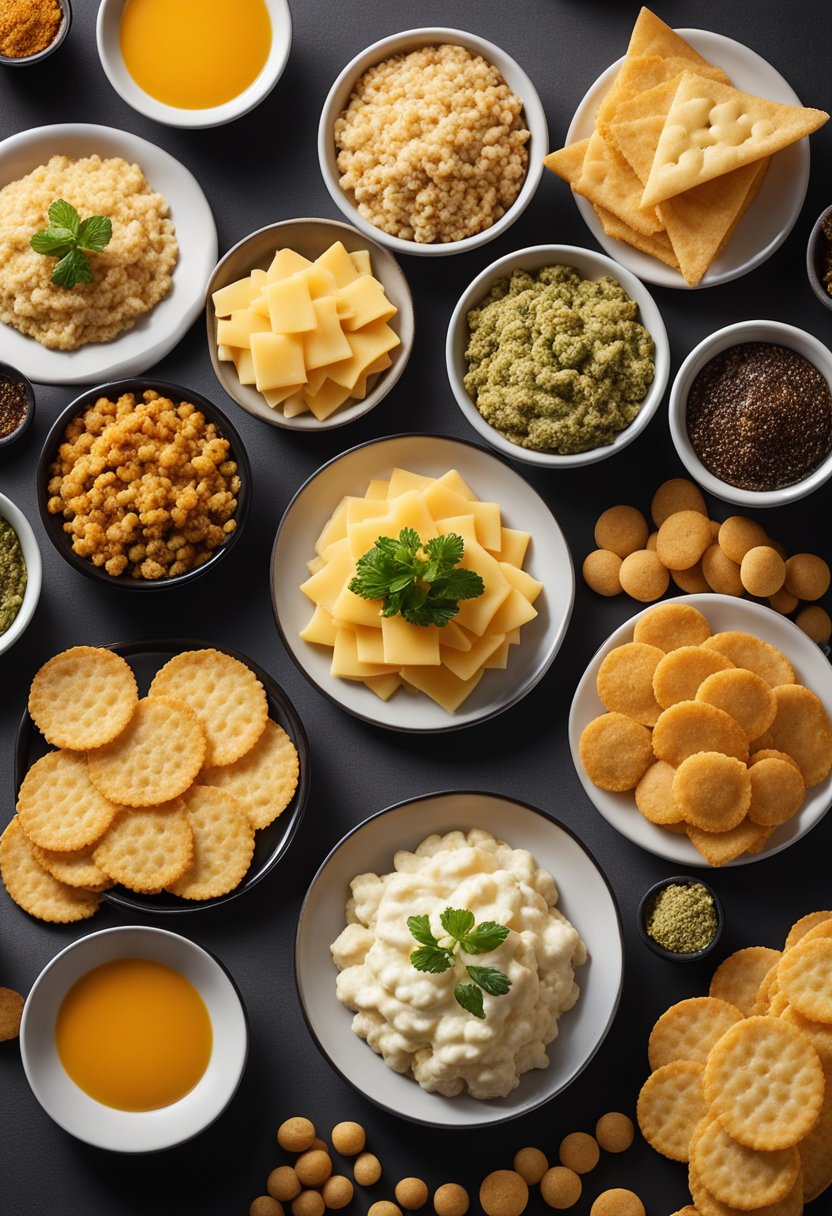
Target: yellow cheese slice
442,501
499,658
327,399
366,345
468,663
277,396
320,281
339,263
514,612
441,685
234,297
360,259
455,481
226,353
366,297
345,660
326,343
455,638
354,610
476,614
324,587
315,564
237,329
284,263
410,510
321,628
522,580
369,643
334,529
294,405
244,365
409,645
513,546
376,489
402,480
383,686
463,525
359,509
278,360
290,305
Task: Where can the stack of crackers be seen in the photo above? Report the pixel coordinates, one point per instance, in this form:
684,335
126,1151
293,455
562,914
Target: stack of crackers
677,154
712,732
741,1086
159,793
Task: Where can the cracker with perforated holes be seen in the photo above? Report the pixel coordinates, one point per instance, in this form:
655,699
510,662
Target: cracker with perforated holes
805,977
35,891
801,927
226,696
154,759
689,1029
737,979
764,1082
819,1034
76,869
264,780
740,1176
670,1105
59,807
223,844
708,1205
83,697
146,848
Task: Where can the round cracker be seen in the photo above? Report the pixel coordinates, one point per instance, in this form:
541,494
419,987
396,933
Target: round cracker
669,626
708,1204
743,695
654,795
147,848
713,791
264,780
816,1152
764,1082
154,759
805,977
223,844
58,806
742,1177
801,927
625,681
680,673
670,1106
689,1029
11,1011
615,751
771,753
802,729
226,696
777,791
35,891
737,979
767,990
746,650
718,848
819,1035
691,726
76,869
83,697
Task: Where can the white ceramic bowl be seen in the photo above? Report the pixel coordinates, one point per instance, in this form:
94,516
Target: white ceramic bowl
723,612
310,237
589,265
122,1130
107,33
585,898
411,40
732,335
34,571
492,480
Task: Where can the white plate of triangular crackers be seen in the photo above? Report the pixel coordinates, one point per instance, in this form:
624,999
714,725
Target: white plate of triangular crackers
688,158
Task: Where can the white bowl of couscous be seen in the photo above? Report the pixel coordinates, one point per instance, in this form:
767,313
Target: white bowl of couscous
390,185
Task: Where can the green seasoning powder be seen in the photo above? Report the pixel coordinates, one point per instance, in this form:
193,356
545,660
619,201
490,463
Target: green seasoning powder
682,918
12,575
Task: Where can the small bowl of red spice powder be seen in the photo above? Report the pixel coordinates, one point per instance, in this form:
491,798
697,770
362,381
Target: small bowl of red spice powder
751,413
17,404
30,30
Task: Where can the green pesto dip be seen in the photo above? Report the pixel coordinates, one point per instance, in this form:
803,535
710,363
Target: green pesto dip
558,363
12,575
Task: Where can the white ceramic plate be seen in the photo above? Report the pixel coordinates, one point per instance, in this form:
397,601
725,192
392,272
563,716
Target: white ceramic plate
723,612
156,332
491,479
771,216
127,1131
585,898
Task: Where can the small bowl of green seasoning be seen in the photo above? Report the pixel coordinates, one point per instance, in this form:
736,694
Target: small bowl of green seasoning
680,919
20,573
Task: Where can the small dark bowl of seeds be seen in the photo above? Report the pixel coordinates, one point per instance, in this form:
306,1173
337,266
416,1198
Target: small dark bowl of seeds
17,404
819,258
680,919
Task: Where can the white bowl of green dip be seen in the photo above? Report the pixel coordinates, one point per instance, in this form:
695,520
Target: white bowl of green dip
19,592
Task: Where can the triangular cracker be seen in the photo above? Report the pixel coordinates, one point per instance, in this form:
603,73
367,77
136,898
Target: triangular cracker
608,181
651,36
657,246
568,162
639,75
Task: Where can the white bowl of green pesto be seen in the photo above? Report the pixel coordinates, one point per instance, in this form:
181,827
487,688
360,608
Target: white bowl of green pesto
20,573
557,356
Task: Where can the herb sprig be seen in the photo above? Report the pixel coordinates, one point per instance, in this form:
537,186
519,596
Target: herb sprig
70,238
436,956
422,583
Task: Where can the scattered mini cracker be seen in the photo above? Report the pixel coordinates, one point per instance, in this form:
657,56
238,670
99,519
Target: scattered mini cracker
622,530
737,979
692,581
739,1176
762,571
11,1011
75,869
154,759
680,673
783,601
147,848
264,780
805,976
745,650
712,790
743,695
816,623
223,844
801,927
738,534
777,791
764,1083
615,751
689,1029
718,848
654,795
677,494
691,726
807,576
625,681
683,538
644,576
721,574
35,891
226,696
670,1105
802,729
601,572
670,626
59,807
83,697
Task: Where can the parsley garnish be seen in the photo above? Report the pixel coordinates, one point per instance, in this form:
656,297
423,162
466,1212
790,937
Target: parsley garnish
422,583
462,934
70,239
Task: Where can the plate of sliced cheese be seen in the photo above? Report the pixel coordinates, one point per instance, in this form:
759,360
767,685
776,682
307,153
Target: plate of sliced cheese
436,500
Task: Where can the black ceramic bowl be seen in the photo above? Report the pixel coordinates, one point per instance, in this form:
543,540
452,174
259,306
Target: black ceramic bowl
815,250
674,956
28,60
12,373
114,388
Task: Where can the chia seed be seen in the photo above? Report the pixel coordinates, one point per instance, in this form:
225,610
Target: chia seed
759,416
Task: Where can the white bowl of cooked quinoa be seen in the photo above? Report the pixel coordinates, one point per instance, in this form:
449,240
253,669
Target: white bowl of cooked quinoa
566,384
422,162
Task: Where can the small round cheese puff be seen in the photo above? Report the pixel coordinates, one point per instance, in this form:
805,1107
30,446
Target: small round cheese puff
621,529
308,1203
625,681
617,1202
264,1205
348,1138
531,1164
579,1152
451,1199
411,1194
743,695
672,625
560,1187
692,582
783,601
318,1143
721,573
815,623
615,751
683,538
11,1011
296,1134
778,548
337,1192
807,576
762,571
713,791
651,541
678,494
777,791
738,534
715,526
503,1193
614,1132
644,576
283,1184
313,1167
367,1169
384,1207
600,571
654,795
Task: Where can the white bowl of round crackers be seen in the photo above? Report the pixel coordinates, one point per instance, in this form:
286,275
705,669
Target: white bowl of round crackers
723,614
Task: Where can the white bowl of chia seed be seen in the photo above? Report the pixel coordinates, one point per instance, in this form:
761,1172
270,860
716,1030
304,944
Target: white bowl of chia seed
751,413
540,403
17,541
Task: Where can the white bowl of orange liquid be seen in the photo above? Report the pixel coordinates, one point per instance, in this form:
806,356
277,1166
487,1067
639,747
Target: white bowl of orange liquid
194,63
134,1039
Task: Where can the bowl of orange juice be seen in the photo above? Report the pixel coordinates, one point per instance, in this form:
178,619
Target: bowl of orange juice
194,64
134,1039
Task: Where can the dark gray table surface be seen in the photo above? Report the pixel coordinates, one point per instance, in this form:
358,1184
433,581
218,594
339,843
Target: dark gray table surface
261,169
